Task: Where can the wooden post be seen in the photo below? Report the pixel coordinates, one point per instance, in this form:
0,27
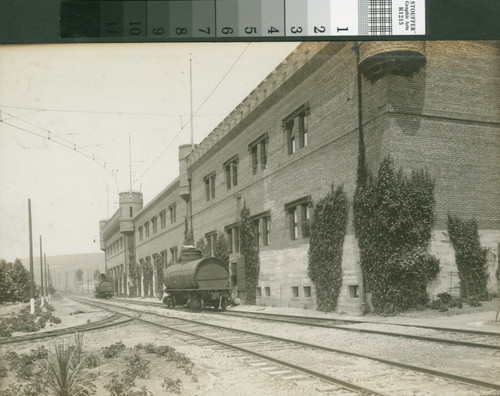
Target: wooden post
41,272
32,291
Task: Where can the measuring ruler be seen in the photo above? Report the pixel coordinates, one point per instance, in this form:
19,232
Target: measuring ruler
231,20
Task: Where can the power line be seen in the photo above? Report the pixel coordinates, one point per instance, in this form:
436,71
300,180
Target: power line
198,109
36,109
92,157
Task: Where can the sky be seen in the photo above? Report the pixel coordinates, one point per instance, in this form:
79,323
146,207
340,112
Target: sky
69,111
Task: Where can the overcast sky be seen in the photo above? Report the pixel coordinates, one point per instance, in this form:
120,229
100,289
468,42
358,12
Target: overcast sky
89,98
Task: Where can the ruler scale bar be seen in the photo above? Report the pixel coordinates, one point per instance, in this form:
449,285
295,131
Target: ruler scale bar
194,20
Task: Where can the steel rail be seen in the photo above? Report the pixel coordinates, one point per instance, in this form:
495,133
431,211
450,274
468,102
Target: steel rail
324,377
436,373
306,321
109,321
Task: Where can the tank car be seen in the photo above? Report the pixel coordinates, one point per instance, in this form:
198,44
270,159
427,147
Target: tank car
104,288
197,282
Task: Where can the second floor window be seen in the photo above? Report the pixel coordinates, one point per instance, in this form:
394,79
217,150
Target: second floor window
146,228
296,128
262,228
141,235
163,219
209,181
211,238
173,255
231,172
299,217
258,152
233,238
173,213
154,224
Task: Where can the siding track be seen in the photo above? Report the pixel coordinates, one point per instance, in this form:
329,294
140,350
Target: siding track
373,375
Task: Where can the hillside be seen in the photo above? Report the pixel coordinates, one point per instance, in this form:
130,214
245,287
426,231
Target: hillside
66,265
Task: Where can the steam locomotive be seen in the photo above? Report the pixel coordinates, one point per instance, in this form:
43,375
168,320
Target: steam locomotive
197,282
104,288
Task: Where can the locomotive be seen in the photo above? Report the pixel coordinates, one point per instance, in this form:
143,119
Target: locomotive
104,288
197,282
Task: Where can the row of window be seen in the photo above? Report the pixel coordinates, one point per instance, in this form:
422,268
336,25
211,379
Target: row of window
296,128
152,225
115,247
352,291
299,217
295,291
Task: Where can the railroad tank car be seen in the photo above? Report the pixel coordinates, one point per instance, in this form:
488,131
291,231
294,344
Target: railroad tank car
197,282
104,288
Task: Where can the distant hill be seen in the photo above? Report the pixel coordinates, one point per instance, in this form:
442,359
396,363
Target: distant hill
68,263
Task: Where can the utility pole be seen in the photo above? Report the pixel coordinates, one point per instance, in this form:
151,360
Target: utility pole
191,98
41,271
32,291
46,277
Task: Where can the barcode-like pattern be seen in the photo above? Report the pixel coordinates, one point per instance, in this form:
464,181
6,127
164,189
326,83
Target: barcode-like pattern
380,17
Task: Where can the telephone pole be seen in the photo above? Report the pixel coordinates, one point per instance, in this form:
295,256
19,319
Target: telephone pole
46,277
32,291
41,271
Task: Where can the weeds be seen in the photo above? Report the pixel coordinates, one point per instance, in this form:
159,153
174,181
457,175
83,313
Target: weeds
113,350
26,322
171,386
138,367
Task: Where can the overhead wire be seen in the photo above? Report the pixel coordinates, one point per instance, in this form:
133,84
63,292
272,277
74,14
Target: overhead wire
198,109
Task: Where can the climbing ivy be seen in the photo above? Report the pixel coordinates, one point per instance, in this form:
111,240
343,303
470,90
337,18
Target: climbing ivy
222,248
328,229
470,257
250,250
202,246
393,220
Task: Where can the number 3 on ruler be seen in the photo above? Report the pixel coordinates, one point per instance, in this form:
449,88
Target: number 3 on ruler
296,30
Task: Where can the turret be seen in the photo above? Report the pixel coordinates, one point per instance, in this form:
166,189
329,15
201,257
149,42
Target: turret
379,59
184,152
130,204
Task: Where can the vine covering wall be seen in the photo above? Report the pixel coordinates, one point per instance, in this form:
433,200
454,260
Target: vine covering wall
470,257
250,251
393,219
328,230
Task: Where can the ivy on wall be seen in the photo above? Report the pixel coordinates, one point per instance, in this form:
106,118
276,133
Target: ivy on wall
250,250
328,230
222,248
470,257
202,245
393,220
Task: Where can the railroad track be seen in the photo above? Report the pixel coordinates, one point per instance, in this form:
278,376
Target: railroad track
114,320
350,371
442,335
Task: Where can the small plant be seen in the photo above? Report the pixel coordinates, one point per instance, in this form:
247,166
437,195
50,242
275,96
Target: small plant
473,301
116,386
138,367
113,350
91,361
66,376
172,386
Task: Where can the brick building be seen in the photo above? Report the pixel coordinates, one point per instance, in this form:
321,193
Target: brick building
432,105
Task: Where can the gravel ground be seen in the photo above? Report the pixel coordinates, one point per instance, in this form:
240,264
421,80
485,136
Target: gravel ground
222,372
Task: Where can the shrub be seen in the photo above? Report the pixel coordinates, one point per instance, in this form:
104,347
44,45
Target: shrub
393,220
328,229
250,250
470,257
172,386
113,350
138,367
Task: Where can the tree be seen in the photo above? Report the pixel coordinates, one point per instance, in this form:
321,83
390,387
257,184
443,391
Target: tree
79,278
15,282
